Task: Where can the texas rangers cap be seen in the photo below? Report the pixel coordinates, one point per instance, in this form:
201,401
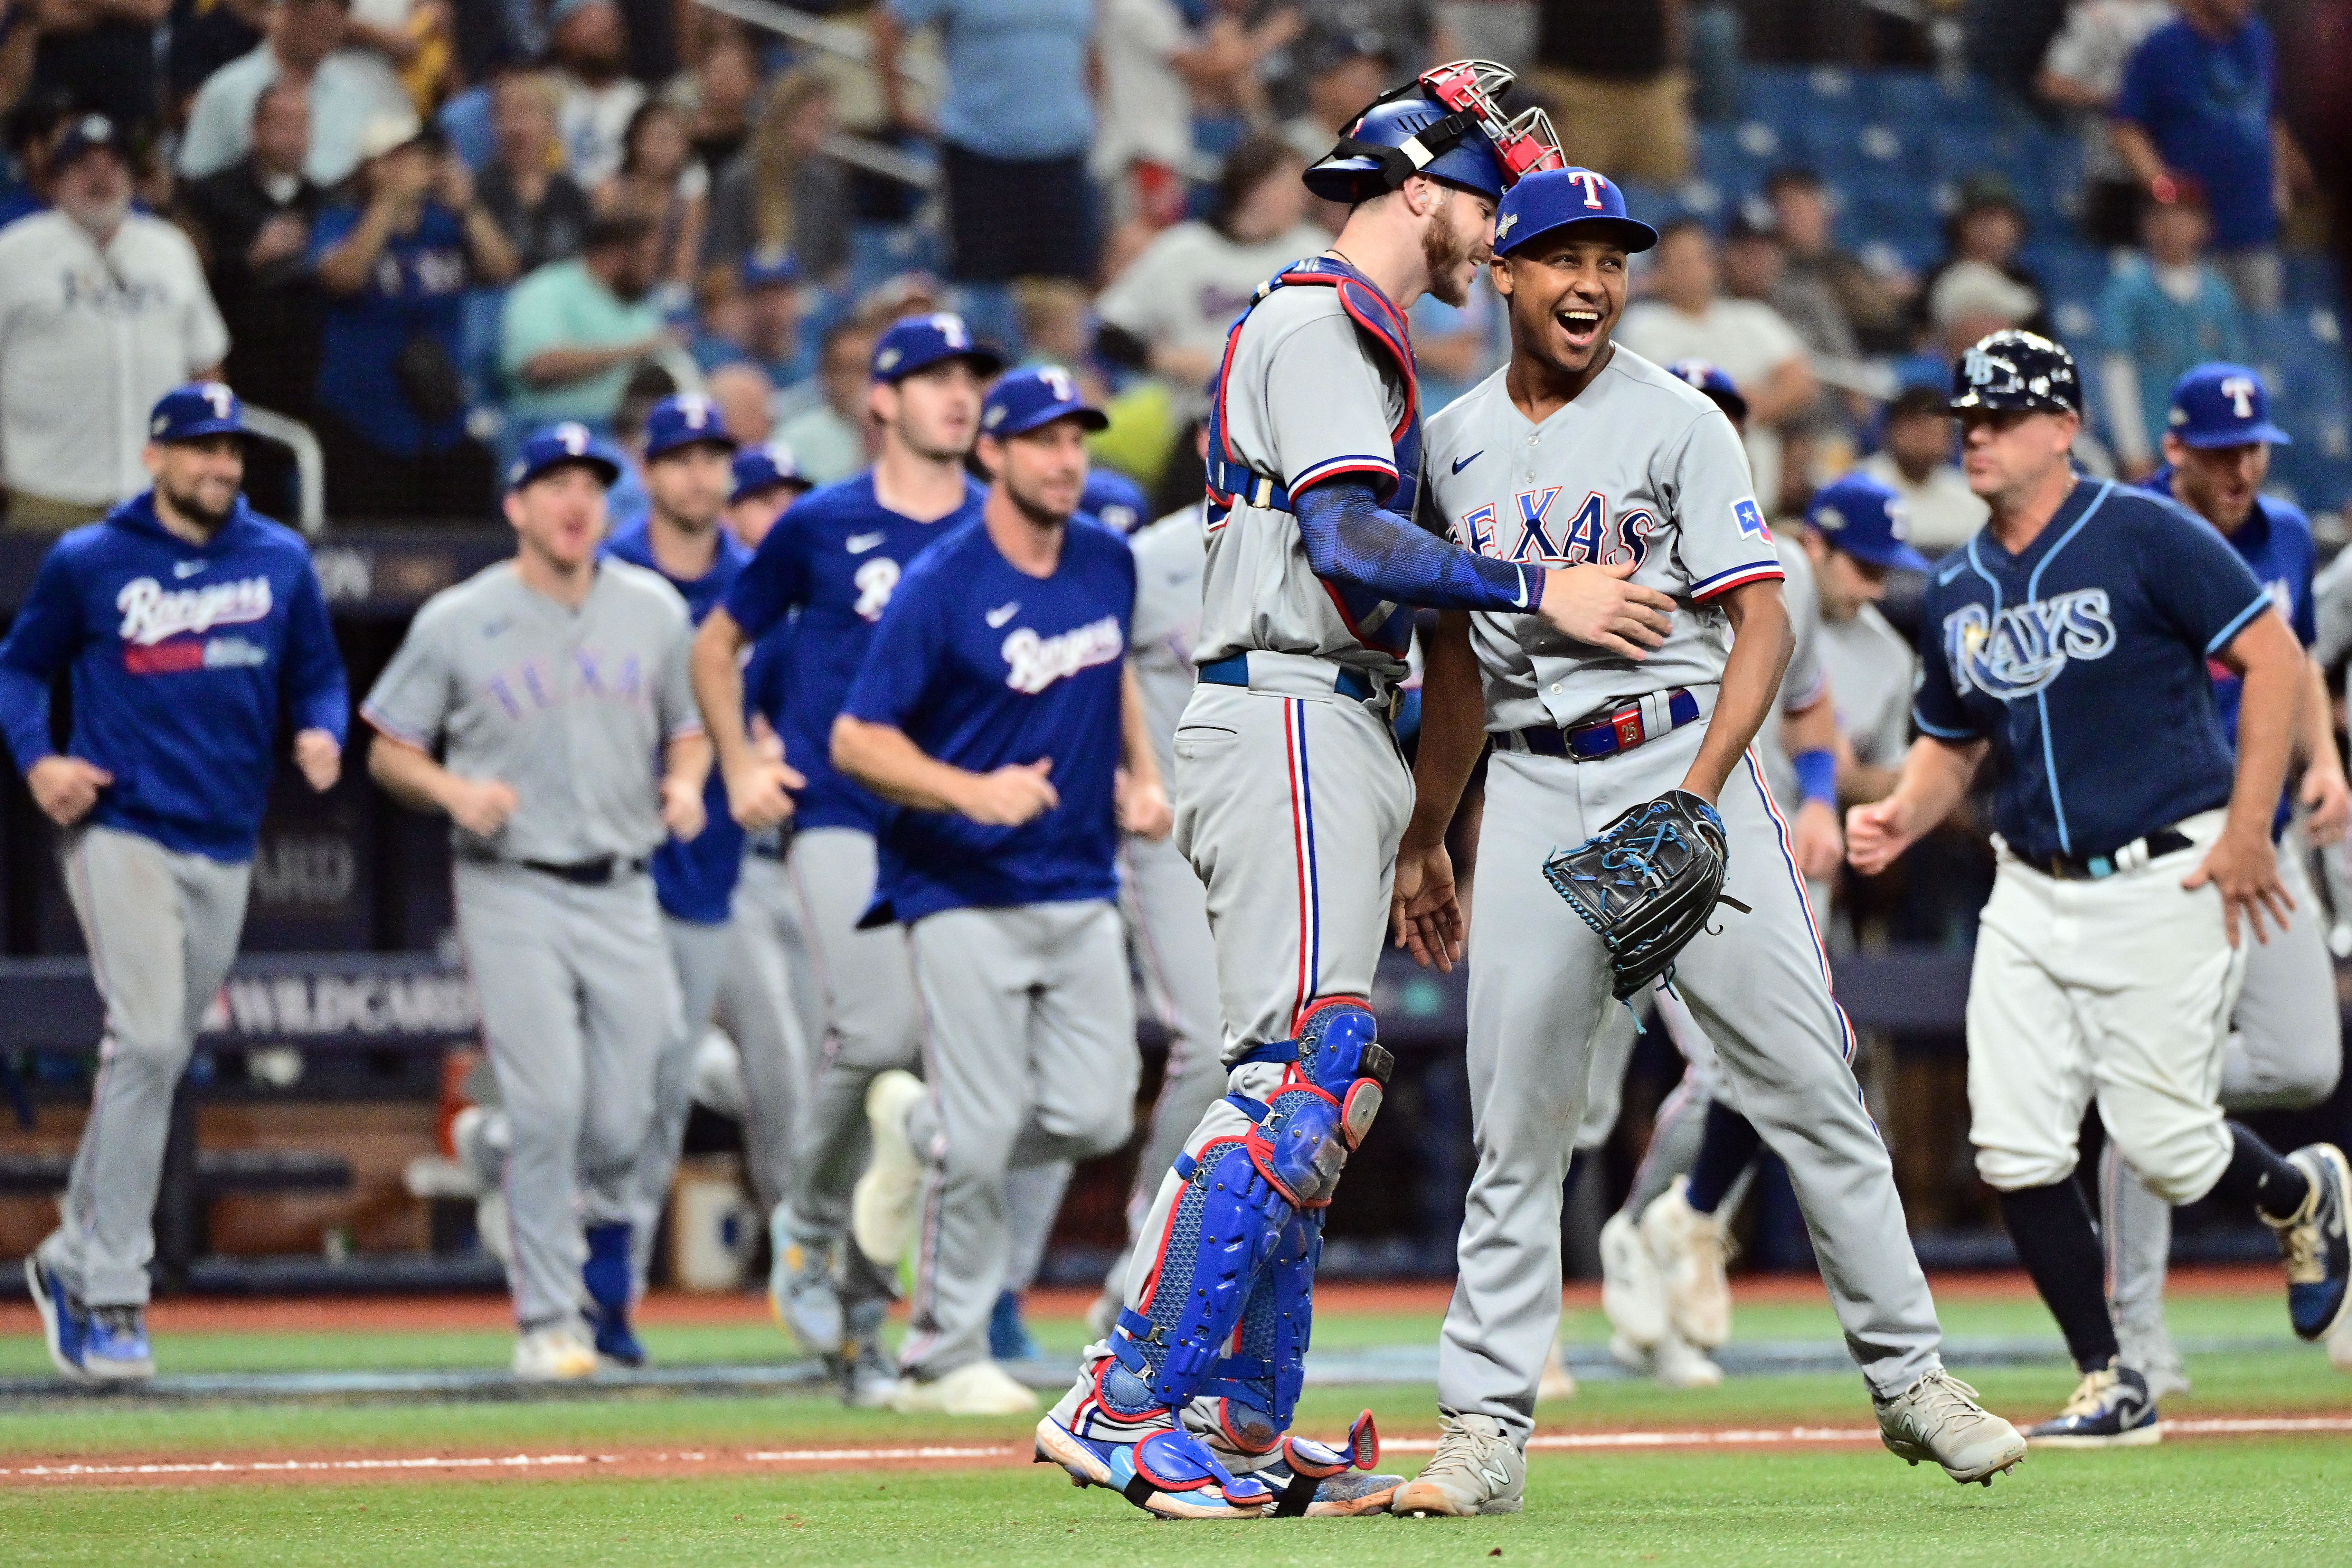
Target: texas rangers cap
1114,501
570,442
771,266
200,408
1708,377
1027,399
687,420
1552,199
916,342
2221,404
86,133
768,468
1864,518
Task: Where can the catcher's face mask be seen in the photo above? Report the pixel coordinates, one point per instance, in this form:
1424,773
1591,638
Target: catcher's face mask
1524,143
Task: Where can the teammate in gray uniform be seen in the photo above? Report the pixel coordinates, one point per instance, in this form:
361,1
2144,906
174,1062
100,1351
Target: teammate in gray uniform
550,682
1581,452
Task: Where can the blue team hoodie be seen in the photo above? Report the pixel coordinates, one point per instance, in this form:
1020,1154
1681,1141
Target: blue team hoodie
181,656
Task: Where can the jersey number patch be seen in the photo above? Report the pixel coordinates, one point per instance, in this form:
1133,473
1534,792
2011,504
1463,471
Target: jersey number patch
874,581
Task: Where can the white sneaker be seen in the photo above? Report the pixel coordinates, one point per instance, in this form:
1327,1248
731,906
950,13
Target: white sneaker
1477,1470
1690,1248
1678,1363
1630,1292
887,1199
980,1388
556,1353
1557,1382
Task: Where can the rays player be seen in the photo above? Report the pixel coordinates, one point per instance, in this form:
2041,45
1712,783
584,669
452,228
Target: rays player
1583,456
831,565
2285,1046
2070,638
192,626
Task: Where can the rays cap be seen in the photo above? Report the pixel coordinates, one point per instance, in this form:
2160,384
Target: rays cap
86,133
200,408
1864,518
559,445
1707,376
1029,399
1554,199
918,342
2015,369
759,470
690,420
2221,404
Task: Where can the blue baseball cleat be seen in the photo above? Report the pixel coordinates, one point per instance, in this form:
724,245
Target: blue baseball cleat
1008,1336
615,1339
607,1276
2313,1244
2110,1409
117,1348
65,1322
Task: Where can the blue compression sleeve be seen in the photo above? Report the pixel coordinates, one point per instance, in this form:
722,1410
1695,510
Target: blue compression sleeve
1351,538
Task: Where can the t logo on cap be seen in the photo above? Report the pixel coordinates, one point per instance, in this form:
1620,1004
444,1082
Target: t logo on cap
1594,186
573,438
2241,391
220,397
951,329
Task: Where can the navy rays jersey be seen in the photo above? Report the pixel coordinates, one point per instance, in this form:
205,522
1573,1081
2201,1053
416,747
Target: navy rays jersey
2084,661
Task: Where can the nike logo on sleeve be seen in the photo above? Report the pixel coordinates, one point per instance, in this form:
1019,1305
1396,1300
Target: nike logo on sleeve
859,543
1462,463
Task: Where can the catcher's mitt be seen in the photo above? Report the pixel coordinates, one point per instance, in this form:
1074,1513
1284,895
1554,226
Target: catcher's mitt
1646,884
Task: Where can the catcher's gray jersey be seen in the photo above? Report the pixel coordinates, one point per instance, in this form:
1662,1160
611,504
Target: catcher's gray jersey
1637,467
1871,672
569,707
1170,558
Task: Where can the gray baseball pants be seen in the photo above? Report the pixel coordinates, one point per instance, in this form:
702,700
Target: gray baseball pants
1029,1048
760,1007
579,1003
162,929
1760,988
701,953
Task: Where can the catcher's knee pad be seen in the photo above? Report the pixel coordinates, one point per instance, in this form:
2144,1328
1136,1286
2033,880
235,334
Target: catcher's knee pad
1255,1388
1325,1103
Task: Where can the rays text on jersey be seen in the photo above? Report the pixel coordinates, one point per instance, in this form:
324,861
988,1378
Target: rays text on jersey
2024,648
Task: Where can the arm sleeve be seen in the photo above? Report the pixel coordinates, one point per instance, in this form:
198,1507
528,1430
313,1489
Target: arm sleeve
1936,704
773,580
1350,539
45,633
2196,582
413,698
314,669
906,649
1719,529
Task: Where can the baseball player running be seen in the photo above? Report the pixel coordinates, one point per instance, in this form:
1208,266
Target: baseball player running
1583,456
1291,795
831,563
994,709
2070,638
550,682
2286,1044
191,624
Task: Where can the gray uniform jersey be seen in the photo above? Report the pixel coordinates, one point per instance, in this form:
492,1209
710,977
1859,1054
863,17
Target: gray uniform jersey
1800,683
1171,556
1582,487
1308,397
569,707
1872,670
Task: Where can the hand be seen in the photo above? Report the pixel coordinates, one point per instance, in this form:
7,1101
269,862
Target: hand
766,744
1875,834
1142,809
283,236
320,757
453,182
2245,868
65,788
1424,914
758,795
1818,842
1596,604
1011,796
681,807
480,807
2330,803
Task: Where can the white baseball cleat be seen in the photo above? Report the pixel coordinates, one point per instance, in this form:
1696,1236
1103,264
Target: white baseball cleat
1938,1419
887,1199
1632,1294
1690,1248
1557,1382
1477,1470
1678,1363
978,1388
558,1353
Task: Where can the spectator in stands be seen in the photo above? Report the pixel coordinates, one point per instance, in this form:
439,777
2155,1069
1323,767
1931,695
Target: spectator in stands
543,210
1013,130
1344,71
416,37
1618,92
1685,317
2198,98
574,330
2163,311
1414,32
100,53
660,177
589,44
32,130
1915,461
395,264
1988,229
1755,267
783,190
1969,300
102,311
745,399
350,89
1876,305
2081,74
251,223
1168,313
206,34
1143,133
717,98
829,436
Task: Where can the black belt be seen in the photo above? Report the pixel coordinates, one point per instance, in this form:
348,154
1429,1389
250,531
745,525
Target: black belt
2130,858
585,873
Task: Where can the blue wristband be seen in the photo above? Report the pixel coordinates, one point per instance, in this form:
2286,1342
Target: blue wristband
1816,777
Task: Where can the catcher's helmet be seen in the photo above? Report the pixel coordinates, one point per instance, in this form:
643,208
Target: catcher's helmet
1445,124
2014,369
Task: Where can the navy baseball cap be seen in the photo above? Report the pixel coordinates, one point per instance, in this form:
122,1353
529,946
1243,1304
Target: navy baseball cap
2222,405
1708,377
1553,199
759,469
1864,517
86,133
918,342
687,420
570,442
200,408
1113,500
1027,399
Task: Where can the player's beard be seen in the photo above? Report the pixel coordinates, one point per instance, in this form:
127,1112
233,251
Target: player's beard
191,505
1443,250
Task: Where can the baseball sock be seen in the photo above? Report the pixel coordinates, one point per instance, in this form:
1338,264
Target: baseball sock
2052,1229
2260,1176
1725,1150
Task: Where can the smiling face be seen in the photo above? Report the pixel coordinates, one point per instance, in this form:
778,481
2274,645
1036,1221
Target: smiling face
1457,241
199,477
1566,291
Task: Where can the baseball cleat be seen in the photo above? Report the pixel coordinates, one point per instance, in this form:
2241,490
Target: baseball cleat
1008,1336
1691,1250
800,1291
1678,1363
116,1350
867,1377
1557,1382
2151,1350
1328,1480
605,1276
558,1353
976,1388
2312,1242
1938,1419
615,1341
1172,1474
887,1199
65,1322
1632,1294
1477,1470
2110,1409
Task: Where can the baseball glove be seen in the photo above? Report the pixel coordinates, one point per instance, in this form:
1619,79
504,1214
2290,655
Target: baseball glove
1646,884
